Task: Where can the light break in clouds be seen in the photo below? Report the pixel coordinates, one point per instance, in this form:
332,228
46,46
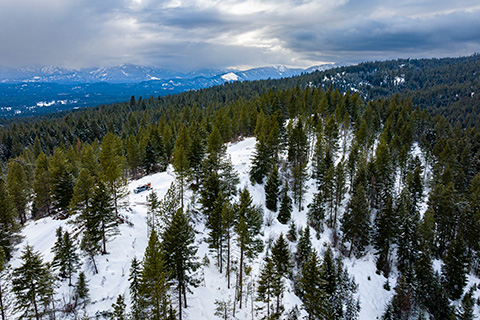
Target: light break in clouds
195,34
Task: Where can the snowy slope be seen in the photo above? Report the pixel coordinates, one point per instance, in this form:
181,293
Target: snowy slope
112,278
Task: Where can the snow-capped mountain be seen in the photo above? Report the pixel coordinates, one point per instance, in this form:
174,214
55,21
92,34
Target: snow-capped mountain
30,91
130,73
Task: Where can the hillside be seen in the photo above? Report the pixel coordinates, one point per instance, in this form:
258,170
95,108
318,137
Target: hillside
320,199
132,239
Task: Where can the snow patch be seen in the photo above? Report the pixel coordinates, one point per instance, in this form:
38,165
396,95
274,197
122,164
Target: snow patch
230,77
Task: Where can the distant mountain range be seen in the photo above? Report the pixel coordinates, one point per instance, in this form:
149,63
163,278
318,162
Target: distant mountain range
129,73
35,91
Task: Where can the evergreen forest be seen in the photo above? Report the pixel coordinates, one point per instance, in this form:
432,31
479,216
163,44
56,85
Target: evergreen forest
382,159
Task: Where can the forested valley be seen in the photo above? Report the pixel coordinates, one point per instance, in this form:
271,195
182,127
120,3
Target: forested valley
385,173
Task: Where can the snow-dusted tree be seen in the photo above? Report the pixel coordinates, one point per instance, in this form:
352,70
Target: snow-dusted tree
228,225
119,307
181,159
281,256
81,290
137,312
42,200
180,256
9,228
65,255
270,286
248,229
311,287
17,187
112,164
304,247
356,221
33,286
272,190
285,211
5,288
153,285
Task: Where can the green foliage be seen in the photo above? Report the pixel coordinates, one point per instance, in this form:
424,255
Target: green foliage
82,293
311,285
9,228
65,257
356,221
270,286
33,286
272,190
17,187
179,254
285,211
119,307
304,247
153,284
134,277
281,257
41,188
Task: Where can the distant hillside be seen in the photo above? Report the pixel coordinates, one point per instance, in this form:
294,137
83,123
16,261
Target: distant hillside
36,91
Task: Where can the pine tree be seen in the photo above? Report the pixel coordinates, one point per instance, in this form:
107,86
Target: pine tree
112,165
134,278
65,256
311,284
248,229
42,187
455,267
9,228
4,287
102,211
298,160
281,256
63,179
356,221
179,255
270,285
98,223
339,190
153,284
292,232
304,247
181,159
272,189
386,224
407,239
81,290
228,224
119,307
82,192
17,188
32,284
285,206
197,150
466,310
316,213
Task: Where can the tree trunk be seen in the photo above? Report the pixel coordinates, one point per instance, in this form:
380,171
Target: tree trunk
179,302
104,239
37,316
94,264
228,262
184,297
1,304
240,279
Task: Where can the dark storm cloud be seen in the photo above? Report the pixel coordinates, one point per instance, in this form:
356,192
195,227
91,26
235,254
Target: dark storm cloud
201,34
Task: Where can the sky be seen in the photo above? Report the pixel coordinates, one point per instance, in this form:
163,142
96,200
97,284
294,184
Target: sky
187,35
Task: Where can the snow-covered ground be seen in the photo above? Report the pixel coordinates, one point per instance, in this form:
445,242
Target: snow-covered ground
112,278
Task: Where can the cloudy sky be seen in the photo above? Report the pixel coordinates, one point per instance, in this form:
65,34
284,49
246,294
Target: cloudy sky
193,34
